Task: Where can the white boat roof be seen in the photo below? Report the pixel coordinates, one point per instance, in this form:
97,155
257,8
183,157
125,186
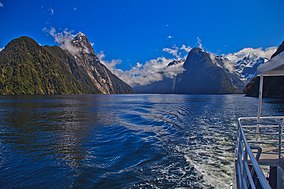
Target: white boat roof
273,67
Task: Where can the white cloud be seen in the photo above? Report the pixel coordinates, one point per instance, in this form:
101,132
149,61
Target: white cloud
170,37
266,53
51,11
111,65
185,48
1,49
150,71
1,5
178,52
101,55
199,42
173,51
63,39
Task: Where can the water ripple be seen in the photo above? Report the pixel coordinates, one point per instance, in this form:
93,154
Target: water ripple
121,141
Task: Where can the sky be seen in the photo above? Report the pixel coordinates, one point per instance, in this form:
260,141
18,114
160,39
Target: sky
136,31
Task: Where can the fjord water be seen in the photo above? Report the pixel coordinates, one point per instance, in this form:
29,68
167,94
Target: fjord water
121,141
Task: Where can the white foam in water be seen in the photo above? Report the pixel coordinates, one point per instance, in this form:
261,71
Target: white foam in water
204,147
207,159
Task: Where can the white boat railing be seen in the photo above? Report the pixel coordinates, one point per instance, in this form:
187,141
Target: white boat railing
263,134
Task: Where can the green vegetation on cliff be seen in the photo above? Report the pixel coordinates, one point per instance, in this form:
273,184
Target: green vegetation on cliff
28,68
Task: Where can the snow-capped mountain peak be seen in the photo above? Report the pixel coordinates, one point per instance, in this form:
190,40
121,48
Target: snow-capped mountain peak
246,61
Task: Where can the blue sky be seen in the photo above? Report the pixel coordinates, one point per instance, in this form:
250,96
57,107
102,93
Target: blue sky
137,30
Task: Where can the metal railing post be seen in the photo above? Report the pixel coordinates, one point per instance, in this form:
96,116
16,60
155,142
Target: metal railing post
280,141
259,106
245,174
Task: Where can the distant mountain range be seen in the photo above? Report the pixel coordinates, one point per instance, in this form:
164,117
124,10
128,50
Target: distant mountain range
207,73
28,68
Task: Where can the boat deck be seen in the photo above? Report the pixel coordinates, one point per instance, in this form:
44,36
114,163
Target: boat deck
269,156
267,137
260,145
270,159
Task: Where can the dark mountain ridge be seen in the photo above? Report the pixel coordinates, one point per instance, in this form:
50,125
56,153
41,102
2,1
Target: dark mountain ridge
202,76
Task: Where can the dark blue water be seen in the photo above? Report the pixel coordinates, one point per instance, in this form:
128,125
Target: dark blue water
121,141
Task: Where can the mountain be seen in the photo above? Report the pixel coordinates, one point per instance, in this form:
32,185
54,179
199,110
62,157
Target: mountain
272,86
102,78
203,75
247,66
28,68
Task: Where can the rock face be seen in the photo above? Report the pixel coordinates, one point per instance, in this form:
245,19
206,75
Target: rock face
102,78
229,68
272,86
203,76
28,68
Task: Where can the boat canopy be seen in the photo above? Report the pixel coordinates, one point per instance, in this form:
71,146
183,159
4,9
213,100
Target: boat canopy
273,67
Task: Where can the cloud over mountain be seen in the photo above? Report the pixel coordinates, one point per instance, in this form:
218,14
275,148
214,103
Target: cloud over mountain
157,69
265,53
63,39
152,70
